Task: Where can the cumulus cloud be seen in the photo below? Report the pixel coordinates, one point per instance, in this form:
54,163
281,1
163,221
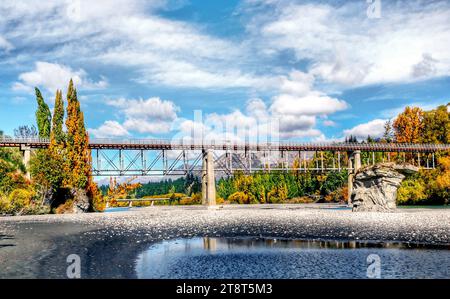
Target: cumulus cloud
109,129
132,35
152,115
52,76
345,47
299,104
312,104
425,68
373,128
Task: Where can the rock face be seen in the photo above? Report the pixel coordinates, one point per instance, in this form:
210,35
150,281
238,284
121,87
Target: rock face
375,187
81,203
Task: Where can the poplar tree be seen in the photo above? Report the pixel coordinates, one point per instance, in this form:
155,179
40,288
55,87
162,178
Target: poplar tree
78,164
43,116
57,134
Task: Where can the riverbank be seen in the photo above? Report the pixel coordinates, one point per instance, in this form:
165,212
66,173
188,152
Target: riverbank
108,243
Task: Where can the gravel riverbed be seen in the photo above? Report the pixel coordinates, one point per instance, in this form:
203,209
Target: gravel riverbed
108,243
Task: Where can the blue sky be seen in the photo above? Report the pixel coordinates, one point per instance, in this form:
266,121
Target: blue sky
322,69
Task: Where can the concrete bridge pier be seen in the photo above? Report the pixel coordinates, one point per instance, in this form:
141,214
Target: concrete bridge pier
354,164
26,157
208,179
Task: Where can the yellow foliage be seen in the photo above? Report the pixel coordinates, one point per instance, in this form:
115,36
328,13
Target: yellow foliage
239,197
411,191
4,205
443,179
20,199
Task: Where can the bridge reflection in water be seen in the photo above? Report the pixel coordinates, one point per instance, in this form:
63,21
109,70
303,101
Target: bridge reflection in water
248,257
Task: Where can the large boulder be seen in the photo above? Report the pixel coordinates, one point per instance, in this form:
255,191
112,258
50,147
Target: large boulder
375,187
81,202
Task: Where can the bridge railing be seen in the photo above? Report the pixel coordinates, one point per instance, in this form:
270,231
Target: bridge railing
31,140
198,144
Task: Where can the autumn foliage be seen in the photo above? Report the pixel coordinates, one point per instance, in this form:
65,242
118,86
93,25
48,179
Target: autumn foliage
409,125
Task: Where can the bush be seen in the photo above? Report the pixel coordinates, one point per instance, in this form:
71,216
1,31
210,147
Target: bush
5,207
239,197
411,191
20,200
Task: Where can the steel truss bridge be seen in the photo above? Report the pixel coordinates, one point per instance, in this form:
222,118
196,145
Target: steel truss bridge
159,157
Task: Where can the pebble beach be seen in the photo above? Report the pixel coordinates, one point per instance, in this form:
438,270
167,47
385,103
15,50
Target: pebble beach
37,246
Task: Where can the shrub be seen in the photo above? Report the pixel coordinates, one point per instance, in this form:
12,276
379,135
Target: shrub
5,207
239,197
411,191
20,199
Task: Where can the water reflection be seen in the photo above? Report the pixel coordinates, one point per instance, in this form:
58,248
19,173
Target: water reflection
213,244
283,258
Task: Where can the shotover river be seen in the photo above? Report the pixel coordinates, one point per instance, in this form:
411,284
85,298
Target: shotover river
255,241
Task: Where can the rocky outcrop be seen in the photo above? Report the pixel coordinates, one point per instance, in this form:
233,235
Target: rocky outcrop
375,187
81,202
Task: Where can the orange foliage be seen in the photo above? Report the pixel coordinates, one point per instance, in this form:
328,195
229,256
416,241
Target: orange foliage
408,125
117,191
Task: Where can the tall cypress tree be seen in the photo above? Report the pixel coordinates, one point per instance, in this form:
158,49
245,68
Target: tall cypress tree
43,116
78,164
57,135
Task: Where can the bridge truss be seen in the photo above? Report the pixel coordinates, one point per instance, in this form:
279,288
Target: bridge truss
156,157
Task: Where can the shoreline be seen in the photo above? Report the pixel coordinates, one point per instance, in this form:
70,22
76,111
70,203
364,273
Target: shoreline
108,243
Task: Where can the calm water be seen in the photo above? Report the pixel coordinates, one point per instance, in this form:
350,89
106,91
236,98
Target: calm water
274,258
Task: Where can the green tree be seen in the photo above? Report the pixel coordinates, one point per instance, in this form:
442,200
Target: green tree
57,135
436,126
43,116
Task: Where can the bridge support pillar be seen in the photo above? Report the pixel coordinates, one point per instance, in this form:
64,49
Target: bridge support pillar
350,179
208,179
354,164
26,153
357,158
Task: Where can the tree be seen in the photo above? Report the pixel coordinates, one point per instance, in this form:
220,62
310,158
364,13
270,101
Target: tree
43,116
45,169
78,164
57,135
436,126
26,132
443,179
388,134
408,125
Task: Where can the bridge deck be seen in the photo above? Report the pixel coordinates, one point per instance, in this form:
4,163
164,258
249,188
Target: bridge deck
161,144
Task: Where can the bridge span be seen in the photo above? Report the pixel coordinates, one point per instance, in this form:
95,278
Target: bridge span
167,144
163,157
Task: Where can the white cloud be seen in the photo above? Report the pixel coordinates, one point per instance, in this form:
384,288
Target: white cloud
128,34
53,76
345,47
314,103
109,129
152,108
152,115
373,128
257,108
299,104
